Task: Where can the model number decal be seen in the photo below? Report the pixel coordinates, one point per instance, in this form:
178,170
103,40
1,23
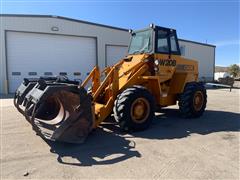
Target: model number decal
185,67
167,62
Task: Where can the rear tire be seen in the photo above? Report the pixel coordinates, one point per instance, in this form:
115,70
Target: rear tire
192,102
134,109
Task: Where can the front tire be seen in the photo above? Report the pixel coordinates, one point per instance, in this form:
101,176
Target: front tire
192,102
134,109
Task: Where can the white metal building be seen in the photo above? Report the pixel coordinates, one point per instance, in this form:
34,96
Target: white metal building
38,45
204,53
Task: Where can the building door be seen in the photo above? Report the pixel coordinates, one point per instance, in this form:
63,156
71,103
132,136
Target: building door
31,55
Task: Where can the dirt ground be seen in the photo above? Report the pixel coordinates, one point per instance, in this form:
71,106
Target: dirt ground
172,148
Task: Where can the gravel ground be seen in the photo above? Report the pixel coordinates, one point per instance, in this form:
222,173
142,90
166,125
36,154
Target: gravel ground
172,148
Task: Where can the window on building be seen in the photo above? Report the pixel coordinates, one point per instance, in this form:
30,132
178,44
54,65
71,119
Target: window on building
62,73
48,73
32,73
77,74
16,73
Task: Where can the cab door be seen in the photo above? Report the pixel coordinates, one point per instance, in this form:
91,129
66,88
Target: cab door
166,52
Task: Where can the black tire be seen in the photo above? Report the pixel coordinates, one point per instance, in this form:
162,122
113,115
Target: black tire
123,108
187,106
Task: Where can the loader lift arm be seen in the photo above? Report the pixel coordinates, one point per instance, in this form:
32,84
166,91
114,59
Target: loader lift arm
111,86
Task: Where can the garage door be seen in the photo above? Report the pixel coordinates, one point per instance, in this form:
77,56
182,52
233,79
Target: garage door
115,53
34,55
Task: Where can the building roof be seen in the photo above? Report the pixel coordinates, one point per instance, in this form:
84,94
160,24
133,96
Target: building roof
65,18
194,42
91,23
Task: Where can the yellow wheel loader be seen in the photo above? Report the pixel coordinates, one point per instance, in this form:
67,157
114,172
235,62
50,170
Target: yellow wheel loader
153,74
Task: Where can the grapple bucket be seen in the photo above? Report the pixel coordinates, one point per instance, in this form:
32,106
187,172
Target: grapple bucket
59,111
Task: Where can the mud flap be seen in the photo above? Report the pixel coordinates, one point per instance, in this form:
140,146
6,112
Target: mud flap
59,111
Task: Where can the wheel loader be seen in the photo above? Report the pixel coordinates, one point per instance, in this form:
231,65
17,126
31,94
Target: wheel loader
153,74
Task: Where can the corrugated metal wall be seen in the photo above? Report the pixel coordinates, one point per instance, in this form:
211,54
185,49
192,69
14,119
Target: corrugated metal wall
205,56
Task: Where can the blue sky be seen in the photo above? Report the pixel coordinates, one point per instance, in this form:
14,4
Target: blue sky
213,21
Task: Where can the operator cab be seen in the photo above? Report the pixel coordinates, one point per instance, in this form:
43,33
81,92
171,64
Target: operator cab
152,40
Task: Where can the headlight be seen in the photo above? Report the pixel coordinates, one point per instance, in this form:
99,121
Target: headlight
156,62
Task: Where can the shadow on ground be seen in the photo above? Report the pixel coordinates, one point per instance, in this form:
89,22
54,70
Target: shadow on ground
108,145
100,148
169,125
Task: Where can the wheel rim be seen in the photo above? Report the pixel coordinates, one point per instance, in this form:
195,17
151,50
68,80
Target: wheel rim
198,100
140,110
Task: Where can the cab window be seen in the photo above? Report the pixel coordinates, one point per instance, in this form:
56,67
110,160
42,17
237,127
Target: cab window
174,43
162,41
166,41
141,42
